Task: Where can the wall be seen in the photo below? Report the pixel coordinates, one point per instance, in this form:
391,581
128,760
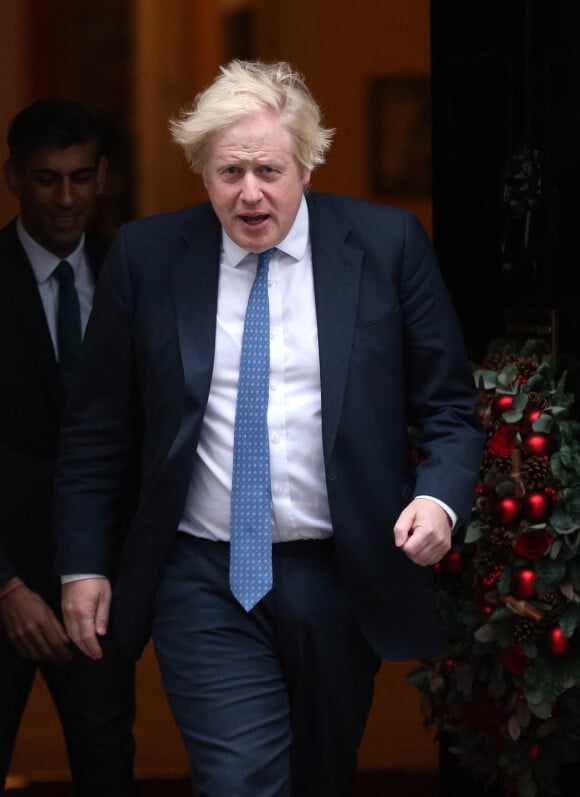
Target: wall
14,91
341,47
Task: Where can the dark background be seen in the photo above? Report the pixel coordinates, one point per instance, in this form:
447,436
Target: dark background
505,82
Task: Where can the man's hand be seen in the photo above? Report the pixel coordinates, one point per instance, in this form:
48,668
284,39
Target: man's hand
423,531
32,627
85,606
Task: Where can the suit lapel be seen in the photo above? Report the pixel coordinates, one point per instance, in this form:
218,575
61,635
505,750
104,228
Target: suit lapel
19,280
336,269
195,280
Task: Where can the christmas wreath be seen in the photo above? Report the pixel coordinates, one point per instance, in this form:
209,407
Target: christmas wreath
506,693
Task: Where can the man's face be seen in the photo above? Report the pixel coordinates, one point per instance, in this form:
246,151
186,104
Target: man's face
254,181
57,190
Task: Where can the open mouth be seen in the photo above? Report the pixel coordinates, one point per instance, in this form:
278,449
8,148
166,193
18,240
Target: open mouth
254,220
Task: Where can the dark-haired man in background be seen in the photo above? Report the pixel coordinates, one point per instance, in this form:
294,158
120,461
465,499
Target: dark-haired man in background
56,170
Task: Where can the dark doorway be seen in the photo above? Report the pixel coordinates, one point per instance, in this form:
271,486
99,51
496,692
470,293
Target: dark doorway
506,158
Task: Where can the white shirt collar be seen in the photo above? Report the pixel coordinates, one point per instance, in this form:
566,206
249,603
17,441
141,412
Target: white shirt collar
42,261
294,244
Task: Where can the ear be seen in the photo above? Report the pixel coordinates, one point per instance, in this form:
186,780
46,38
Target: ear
12,177
306,177
101,178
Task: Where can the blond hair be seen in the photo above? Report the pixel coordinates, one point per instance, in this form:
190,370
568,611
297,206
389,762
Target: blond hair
242,88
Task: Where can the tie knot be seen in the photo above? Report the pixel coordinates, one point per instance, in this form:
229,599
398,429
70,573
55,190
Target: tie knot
265,257
64,272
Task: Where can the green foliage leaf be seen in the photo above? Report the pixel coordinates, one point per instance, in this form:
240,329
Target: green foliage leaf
507,377
561,520
512,416
504,487
570,619
574,574
419,678
473,532
551,571
486,379
543,424
566,455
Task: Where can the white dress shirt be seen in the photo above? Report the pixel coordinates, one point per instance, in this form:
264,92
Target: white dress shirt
299,501
43,264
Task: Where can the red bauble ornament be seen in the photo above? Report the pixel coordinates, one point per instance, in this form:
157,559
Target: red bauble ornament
453,562
556,642
508,511
523,583
501,403
536,507
537,444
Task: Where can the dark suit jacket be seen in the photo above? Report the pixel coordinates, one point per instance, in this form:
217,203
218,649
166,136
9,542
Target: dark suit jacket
390,353
31,404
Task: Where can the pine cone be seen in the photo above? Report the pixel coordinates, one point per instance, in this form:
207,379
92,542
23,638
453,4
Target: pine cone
536,401
526,366
535,472
495,548
527,630
493,362
487,463
494,469
484,507
502,466
557,602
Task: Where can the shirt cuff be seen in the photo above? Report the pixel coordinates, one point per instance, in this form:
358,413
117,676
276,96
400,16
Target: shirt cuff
450,513
78,577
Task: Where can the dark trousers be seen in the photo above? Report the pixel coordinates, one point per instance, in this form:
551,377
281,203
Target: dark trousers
96,705
270,703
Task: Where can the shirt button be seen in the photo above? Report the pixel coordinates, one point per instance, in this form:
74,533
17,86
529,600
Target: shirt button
275,437
273,385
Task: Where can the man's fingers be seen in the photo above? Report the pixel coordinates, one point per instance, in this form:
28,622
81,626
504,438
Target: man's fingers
423,531
102,616
57,640
32,627
85,605
404,525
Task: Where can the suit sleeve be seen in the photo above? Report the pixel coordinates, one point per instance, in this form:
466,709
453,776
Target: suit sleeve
95,474
440,385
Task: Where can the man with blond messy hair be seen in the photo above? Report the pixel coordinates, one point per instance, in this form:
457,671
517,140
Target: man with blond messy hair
263,354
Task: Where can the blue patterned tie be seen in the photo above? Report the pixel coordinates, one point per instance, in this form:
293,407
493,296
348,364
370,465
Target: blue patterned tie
68,324
251,514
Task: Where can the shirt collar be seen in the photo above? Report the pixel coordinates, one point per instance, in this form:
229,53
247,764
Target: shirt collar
294,244
42,261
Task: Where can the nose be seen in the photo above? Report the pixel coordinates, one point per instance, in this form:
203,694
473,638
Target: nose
251,190
65,196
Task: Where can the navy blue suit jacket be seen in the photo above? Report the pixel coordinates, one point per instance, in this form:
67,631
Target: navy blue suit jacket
391,354
31,405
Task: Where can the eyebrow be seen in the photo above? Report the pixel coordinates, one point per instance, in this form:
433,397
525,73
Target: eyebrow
56,173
